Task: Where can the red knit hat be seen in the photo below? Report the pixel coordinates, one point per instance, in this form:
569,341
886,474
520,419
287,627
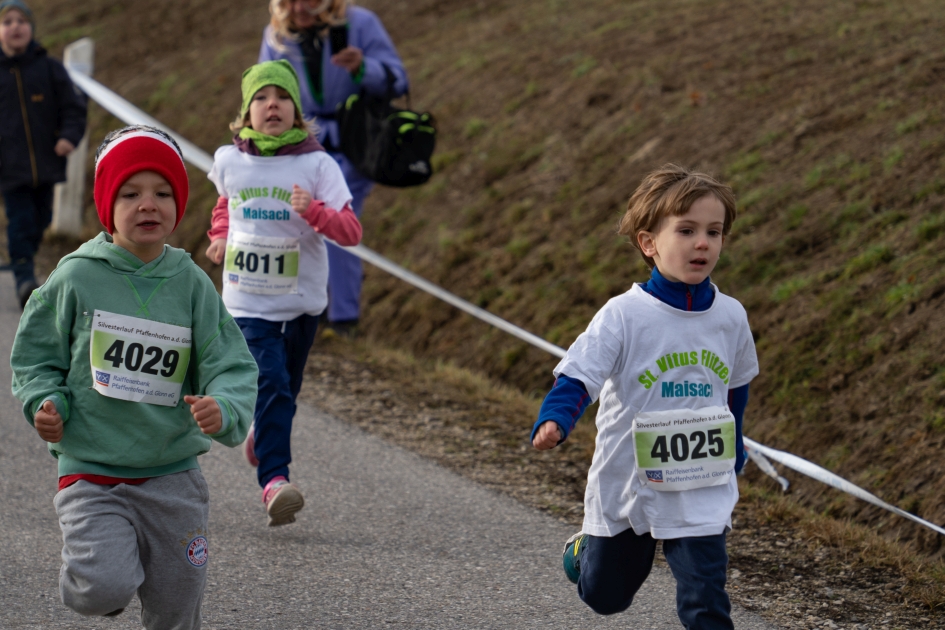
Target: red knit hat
131,150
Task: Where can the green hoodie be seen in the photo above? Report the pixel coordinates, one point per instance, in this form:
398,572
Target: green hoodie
119,438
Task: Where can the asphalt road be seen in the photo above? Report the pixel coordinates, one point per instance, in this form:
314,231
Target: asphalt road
386,540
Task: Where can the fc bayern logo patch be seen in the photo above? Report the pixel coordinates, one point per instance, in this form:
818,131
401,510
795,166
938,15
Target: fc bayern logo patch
198,552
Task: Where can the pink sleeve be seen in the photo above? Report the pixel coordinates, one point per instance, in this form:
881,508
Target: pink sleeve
220,219
340,226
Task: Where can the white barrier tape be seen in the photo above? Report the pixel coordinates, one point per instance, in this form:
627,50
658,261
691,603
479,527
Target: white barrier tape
762,462
125,111
130,114
825,476
395,270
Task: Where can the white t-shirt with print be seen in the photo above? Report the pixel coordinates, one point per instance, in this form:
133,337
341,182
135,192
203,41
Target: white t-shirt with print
259,189
640,354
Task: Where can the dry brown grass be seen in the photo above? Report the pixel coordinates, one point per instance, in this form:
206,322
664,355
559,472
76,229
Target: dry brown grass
852,546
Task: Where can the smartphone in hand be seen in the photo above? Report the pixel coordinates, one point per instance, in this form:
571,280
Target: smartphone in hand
338,37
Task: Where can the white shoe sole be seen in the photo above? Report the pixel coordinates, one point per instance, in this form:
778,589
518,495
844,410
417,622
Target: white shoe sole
571,540
283,506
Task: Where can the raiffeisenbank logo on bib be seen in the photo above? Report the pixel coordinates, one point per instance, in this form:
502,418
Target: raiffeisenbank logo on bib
656,476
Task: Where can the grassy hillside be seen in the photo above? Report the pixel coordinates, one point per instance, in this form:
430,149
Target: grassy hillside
822,117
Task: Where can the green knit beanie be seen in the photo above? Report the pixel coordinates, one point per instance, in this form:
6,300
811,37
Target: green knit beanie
279,73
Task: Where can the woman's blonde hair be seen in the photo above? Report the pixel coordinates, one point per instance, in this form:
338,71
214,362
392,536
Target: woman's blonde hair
328,13
670,191
300,121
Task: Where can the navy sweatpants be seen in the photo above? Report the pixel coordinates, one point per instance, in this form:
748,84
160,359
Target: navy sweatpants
613,570
280,350
29,213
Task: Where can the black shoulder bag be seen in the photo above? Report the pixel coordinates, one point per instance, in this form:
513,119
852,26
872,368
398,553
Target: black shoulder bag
388,145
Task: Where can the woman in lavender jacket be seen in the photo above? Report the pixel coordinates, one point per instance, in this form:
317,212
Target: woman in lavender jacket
299,33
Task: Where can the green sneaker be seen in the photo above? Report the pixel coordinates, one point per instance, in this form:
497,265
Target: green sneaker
571,557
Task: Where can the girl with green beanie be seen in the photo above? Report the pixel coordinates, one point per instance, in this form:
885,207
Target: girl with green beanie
281,197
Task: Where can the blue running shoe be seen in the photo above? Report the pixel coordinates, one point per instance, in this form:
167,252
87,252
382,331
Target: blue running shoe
572,556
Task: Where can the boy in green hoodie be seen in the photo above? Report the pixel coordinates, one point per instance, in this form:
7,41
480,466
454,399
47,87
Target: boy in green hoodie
128,364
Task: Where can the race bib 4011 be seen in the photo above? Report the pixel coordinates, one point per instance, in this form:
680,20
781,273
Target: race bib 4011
266,265
683,449
137,359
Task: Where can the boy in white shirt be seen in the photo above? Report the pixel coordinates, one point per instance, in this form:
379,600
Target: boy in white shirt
670,361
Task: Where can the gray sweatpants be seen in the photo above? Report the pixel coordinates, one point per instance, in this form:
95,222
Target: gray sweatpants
149,538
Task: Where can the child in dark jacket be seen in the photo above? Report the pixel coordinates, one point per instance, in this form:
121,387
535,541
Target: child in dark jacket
42,119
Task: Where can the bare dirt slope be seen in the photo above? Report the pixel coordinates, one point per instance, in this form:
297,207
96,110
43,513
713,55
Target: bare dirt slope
823,116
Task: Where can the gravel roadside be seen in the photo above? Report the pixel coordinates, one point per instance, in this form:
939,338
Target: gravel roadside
793,568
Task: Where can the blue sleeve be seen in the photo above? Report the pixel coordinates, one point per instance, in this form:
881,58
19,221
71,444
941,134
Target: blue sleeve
563,405
737,401
379,52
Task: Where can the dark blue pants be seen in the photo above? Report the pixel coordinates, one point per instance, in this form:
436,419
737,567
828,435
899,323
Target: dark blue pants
29,213
613,570
280,350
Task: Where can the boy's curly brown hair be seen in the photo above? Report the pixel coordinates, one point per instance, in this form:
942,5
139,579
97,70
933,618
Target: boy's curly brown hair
670,191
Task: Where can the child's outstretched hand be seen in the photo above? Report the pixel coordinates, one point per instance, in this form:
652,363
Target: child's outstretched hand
206,412
547,437
48,422
300,199
63,147
216,251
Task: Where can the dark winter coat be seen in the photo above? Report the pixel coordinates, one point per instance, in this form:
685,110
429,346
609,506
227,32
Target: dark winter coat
38,106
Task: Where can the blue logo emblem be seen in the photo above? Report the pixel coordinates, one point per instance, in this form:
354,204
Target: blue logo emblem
234,278
656,476
102,378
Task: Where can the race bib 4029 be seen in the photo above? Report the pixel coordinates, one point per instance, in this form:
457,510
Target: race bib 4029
683,449
137,359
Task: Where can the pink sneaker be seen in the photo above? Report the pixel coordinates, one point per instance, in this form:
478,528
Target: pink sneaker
282,501
249,447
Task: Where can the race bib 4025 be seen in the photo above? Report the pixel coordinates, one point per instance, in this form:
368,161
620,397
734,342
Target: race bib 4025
137,359
683,449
